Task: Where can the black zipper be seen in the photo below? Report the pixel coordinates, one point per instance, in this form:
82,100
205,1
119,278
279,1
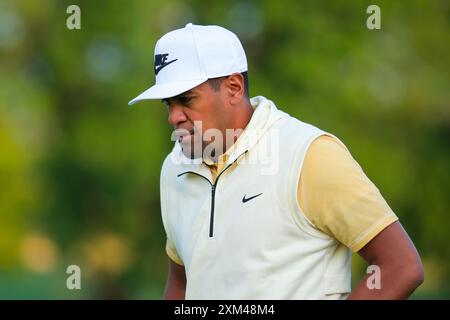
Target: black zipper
213,192
211,218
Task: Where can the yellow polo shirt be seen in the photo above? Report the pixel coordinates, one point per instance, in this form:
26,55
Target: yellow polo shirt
334,194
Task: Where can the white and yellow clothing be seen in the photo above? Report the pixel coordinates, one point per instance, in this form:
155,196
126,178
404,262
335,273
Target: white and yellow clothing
293,240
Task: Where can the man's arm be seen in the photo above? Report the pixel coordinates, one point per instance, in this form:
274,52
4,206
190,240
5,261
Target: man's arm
401,268
176,282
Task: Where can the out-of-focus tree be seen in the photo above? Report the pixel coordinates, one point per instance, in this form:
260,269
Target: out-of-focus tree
79,168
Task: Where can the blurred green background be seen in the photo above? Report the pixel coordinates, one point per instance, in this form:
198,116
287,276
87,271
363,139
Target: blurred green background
79,168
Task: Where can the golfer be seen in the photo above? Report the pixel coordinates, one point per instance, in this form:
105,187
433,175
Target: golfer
257,204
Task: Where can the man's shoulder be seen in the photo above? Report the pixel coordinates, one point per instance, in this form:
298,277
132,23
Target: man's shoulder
295,129
328,143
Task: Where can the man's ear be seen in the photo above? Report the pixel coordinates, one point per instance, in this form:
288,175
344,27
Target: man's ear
234,86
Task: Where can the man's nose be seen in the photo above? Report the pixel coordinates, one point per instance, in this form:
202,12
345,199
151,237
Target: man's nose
176,114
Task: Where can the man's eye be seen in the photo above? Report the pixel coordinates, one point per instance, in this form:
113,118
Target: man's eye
185,100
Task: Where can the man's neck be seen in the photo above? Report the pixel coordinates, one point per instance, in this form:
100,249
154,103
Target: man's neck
242,118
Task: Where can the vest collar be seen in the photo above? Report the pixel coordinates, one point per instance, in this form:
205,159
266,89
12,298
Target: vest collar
264,116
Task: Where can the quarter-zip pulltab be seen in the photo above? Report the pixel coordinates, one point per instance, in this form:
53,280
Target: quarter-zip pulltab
213,192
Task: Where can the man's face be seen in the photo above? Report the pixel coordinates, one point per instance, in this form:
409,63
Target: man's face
196,112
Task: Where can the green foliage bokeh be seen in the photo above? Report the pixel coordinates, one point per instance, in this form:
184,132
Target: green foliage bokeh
79,168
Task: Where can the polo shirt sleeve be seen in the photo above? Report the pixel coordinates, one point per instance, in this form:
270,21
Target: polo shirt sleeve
172,252
338,198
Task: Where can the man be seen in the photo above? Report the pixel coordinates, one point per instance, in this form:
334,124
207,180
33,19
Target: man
280,223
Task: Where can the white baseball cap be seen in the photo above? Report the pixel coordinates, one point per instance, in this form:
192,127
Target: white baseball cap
187,57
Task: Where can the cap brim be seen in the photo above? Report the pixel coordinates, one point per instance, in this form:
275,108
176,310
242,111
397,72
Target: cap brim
167,90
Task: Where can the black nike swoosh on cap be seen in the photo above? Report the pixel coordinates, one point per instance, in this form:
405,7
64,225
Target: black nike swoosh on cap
158,69
244,200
